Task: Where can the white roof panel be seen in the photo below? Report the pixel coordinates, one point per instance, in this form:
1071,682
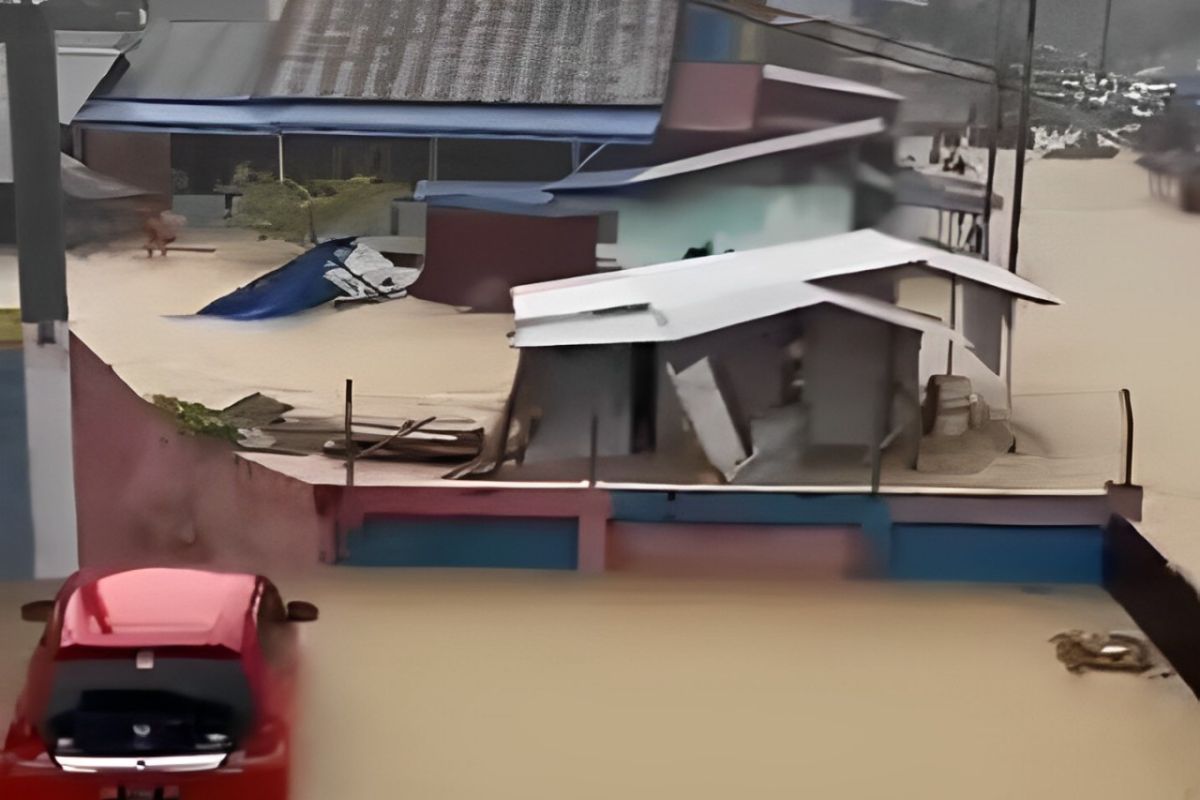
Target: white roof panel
676,313
717,158
678,299
815,80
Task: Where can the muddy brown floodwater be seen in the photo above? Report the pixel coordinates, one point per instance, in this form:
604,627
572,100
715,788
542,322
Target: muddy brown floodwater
524,685
440,684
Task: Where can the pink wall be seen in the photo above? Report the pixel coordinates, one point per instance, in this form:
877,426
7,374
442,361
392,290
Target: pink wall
706,549
148,494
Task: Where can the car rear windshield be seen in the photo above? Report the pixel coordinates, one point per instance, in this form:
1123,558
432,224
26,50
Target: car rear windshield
168,705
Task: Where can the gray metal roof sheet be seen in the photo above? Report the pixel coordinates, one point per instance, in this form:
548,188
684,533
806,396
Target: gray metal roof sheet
195,60
593,52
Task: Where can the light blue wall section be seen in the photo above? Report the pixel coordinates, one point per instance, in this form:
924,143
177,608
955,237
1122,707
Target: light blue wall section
708,35
865,511
16,520
735,207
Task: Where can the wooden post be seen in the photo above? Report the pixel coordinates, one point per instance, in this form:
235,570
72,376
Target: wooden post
953,324
349,432
593,439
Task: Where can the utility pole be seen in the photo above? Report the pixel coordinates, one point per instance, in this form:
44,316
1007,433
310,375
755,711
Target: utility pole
37,170
31,54
1104,37
1014,241
993,134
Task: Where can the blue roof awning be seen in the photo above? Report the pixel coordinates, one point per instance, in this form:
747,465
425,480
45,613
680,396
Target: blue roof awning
634,125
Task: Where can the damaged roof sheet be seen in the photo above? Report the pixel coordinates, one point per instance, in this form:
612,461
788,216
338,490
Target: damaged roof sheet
615,52
675,300
512,195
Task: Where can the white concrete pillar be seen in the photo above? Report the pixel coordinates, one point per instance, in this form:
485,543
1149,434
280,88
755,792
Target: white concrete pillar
51,453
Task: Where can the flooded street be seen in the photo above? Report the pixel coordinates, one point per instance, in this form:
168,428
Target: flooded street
518,685
1124,265
438,684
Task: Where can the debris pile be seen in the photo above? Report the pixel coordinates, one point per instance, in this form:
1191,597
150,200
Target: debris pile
1110,652
1081,109
236,423
257,422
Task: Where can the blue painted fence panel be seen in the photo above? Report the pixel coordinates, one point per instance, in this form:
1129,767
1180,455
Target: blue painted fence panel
465,542
998,554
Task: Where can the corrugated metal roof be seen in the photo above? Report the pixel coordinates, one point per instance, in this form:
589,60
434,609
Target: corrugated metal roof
594,52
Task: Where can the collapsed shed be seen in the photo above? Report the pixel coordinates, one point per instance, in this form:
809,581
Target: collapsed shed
781,365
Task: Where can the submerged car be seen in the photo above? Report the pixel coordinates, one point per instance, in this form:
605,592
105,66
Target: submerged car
156,683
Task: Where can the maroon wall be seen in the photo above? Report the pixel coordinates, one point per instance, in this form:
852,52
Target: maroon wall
140,159
147,494
473,258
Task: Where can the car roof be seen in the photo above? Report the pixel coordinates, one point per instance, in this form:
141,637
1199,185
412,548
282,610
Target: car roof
158,607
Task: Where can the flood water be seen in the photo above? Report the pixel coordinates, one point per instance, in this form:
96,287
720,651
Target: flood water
509,684
520,685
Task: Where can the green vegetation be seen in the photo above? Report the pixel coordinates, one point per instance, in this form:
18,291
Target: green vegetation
197,419
287,210
10,325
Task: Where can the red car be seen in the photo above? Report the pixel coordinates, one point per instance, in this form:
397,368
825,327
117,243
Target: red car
156,684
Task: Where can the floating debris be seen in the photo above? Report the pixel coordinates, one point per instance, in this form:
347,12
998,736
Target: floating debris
1109,652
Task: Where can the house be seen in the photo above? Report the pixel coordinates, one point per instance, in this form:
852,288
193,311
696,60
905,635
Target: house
285,93
747,156
789,364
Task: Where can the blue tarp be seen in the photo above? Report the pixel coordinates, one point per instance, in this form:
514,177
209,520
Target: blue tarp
297,285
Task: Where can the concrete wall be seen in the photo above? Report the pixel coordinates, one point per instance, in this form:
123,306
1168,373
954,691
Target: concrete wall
563,388
728,550
148,494
49,417
1019,540
845,376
